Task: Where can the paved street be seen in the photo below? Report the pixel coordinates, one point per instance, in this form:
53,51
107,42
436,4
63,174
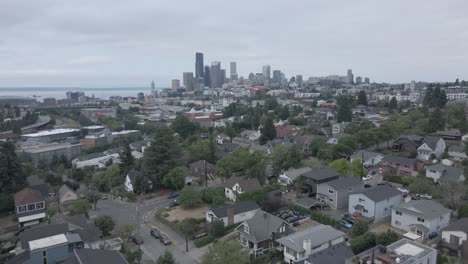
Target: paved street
126,213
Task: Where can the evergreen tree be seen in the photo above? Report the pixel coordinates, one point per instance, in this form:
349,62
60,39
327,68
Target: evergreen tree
268,131
183,126
393,104
166,258
344,110
12,178
362,98
436,121
127,161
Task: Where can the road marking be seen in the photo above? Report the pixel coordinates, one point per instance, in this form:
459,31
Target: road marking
173,240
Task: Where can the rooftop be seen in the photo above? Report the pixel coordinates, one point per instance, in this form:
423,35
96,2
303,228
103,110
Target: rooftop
28,196
317,235
321,173
51,132
48,147
238,208
48,242
426,208
381,192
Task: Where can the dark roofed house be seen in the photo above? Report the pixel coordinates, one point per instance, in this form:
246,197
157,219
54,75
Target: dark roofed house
444,173
407,143
198,169
336,254
450,134
30,206
233,214
431,147
457,153
288,131
95,256
454,240
41,231
335,193
316,176
237,185
403,166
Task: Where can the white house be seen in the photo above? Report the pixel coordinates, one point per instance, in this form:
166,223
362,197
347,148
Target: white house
457,153
129,180
431,146
336,193
302,244
421,217
454,236
369,159
232,214
375,202
441,173
289,177
237,185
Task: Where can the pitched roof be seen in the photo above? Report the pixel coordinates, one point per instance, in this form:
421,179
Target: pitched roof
238,208
431,141
336,254
27,196
307,202
40,232
414,138
294,173
344,183
459,225
457,148
317,235
381,192
366,154
99,256
399,160
448,172
246,184
201,164
426,208
286,130
262,225
321,173
20,258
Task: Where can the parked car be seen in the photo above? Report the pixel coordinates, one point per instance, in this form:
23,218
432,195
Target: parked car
136,239
104,197
201,235
345,224
368,177
403,190
155,233
165,240
349,220
432,235
173,195
173,204
424,196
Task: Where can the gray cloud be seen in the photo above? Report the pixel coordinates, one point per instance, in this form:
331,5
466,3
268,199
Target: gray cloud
117,42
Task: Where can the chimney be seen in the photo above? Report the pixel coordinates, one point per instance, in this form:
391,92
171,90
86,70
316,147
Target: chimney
230,216
307,245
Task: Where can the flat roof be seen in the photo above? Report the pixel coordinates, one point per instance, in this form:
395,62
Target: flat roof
93,127
48,147
51,132
47,242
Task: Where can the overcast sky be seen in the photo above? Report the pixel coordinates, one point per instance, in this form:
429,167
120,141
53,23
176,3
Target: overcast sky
119,43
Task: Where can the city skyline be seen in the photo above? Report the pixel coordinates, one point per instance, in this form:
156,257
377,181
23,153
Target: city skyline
52,45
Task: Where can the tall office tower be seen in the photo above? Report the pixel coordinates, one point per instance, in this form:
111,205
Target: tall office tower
358,80
350,77
251,76
413,86
199,65
223,76
266,71
299,78
233,70
367,80
207,76
188,81
276,76
215,73
175,85
199,84
153,88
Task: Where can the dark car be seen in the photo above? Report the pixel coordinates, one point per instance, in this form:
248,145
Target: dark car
136,239
345,224
349,220
173,195
165,240
173,204
155,233
201,235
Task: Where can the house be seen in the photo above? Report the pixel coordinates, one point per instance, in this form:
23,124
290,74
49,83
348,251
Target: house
301,244
374,203
431,147
243,142
335,254
454,239
444,173
407,143
30,207
335,193
67,197
450,134
316,176
339,128
251,134
232,214
259,234
37,183
403,251
457,153
199,168
421,217
288,131
237,185
310,203
369,159
304,141
289,177
130,179
403,166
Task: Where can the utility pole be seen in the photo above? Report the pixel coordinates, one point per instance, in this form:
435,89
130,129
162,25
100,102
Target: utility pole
206,175
138,222
362,164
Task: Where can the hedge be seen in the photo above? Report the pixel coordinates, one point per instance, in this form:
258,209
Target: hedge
204,241
323,219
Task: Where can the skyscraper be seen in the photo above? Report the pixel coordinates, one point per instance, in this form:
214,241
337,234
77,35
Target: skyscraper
266,71
207,76
223,76
276,76
215,74
188,81
367,80
350,77
299,78
233,70
153,88
175,85
199,65
358,80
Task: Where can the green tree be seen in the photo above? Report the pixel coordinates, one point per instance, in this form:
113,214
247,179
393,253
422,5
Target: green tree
189,197
363,242
203,150
126,230
386,238
226,253
183,126
161,156
244,163
127,161
217,228
359,228
284,113
175,179
436,120
80,207
187,227
362,98
344,110
12,178
166,258
105,223
257,196
341,165
268,131
393,104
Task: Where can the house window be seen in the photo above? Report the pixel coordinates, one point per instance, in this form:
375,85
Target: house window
365,210
331,200
40,205
282,229
31,207
21,208
361,200
331,191
398,213
246,229
398,223
421,220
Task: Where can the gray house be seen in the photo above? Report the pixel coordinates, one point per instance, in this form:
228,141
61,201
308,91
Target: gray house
375,202
316,176
336,254
443,173
368,158
232,214
335,193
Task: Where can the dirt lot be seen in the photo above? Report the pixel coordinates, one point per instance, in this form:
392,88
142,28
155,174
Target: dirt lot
7,224
306,225
384,226
291,196
180,213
